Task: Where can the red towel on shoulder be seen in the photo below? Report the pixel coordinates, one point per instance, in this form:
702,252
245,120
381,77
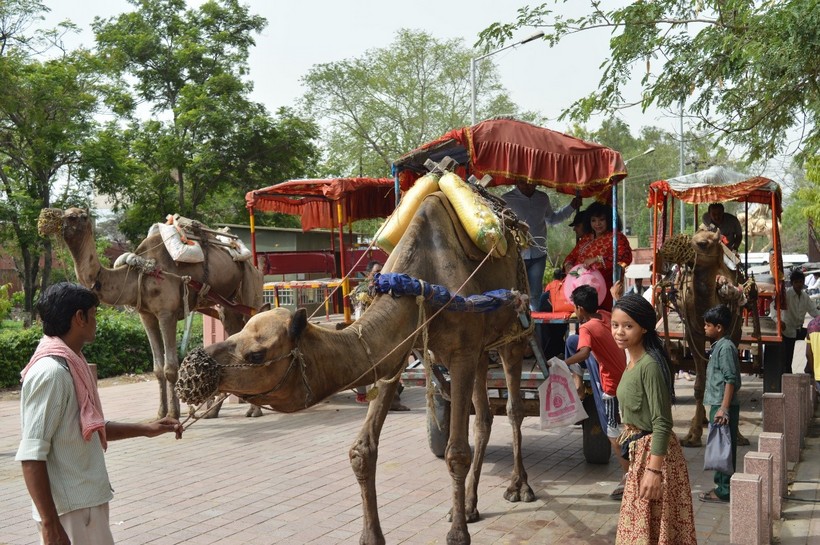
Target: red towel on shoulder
88,398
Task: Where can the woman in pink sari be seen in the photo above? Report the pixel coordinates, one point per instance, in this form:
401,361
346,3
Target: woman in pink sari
594,250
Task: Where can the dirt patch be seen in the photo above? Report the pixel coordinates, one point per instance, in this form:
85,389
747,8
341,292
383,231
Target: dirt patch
11,394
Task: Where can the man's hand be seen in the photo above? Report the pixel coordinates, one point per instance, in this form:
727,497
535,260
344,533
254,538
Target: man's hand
165,425
617,290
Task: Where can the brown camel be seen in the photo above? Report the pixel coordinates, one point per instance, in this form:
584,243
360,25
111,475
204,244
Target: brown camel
280,360
700,291
158,293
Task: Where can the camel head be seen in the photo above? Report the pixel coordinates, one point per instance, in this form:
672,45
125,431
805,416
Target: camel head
707,246
77,226
257,360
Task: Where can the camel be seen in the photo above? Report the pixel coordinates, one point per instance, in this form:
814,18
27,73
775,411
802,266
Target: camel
158,294
280,360
704,283
759,227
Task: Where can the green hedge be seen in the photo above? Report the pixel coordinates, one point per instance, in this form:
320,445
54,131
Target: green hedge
121,346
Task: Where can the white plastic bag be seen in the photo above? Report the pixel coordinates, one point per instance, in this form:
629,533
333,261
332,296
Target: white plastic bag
560,405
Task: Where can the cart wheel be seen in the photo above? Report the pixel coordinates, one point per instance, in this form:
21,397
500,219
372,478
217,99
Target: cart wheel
438,437
597,447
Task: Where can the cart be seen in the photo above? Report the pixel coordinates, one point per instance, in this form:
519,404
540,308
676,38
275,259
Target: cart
331,204
500,152
761,331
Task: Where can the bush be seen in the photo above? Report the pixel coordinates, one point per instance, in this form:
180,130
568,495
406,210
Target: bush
5,301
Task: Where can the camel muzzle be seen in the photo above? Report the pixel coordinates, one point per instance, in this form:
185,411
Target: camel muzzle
198,378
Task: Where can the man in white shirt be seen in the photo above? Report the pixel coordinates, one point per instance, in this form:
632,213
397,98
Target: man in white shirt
534,208
798,303
64,432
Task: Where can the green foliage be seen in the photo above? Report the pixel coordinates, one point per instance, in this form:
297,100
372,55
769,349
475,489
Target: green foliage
393,99
120,347
746,70
207,143
5,301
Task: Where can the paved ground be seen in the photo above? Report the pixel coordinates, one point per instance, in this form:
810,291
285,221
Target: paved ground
287,479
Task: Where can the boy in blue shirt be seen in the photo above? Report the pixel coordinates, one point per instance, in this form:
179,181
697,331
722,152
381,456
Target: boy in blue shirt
722,384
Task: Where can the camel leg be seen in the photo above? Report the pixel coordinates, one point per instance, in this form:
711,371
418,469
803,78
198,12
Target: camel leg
364,456
693,438
512,357
168,327
482,426
151,326
457,455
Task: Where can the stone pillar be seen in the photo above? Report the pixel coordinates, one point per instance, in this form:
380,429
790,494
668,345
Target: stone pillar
745,509
793,417
760,463
775,444
774,412
93,367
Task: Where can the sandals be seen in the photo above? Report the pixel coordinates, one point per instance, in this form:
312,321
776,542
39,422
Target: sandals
618,493
711,497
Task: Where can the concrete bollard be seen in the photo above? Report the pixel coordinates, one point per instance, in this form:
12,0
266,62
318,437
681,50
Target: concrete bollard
745,509
760,463
93,367
775,444
774,412
793,417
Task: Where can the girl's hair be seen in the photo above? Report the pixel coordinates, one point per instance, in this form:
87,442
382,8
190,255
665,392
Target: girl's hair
597,210
642,312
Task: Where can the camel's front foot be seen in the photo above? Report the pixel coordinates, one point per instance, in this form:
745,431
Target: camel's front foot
693,439
371,538
742,440
254,411
458,536
522,492
212,410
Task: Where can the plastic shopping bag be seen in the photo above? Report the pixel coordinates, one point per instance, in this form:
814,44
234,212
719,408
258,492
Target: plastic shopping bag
560,405
718,454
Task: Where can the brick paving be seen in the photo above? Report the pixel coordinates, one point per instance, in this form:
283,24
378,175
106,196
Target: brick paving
287,479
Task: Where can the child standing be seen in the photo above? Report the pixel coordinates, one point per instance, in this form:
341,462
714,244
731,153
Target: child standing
657,503
722,384
606,362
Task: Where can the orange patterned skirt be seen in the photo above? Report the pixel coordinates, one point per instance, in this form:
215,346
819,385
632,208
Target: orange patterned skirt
668,521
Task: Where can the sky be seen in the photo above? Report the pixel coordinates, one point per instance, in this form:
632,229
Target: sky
303,33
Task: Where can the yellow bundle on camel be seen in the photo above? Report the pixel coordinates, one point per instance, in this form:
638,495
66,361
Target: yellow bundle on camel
391,231
477,217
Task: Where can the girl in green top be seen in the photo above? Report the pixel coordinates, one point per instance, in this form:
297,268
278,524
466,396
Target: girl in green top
657,502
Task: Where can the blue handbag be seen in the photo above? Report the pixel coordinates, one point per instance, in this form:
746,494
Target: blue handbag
718,454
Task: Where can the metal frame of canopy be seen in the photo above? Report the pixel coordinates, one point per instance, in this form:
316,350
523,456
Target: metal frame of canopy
509,150
328,203
716,184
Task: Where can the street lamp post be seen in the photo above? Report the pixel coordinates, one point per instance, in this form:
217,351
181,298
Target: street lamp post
475,60
623,189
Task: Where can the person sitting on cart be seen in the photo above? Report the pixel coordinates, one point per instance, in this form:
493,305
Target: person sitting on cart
716,218
595,349
594,250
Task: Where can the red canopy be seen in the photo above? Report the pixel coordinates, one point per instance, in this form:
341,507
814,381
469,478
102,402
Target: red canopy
510,150
716,184
315,200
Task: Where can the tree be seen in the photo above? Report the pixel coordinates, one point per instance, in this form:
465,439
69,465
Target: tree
46,113
747,71
206,142
391,100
